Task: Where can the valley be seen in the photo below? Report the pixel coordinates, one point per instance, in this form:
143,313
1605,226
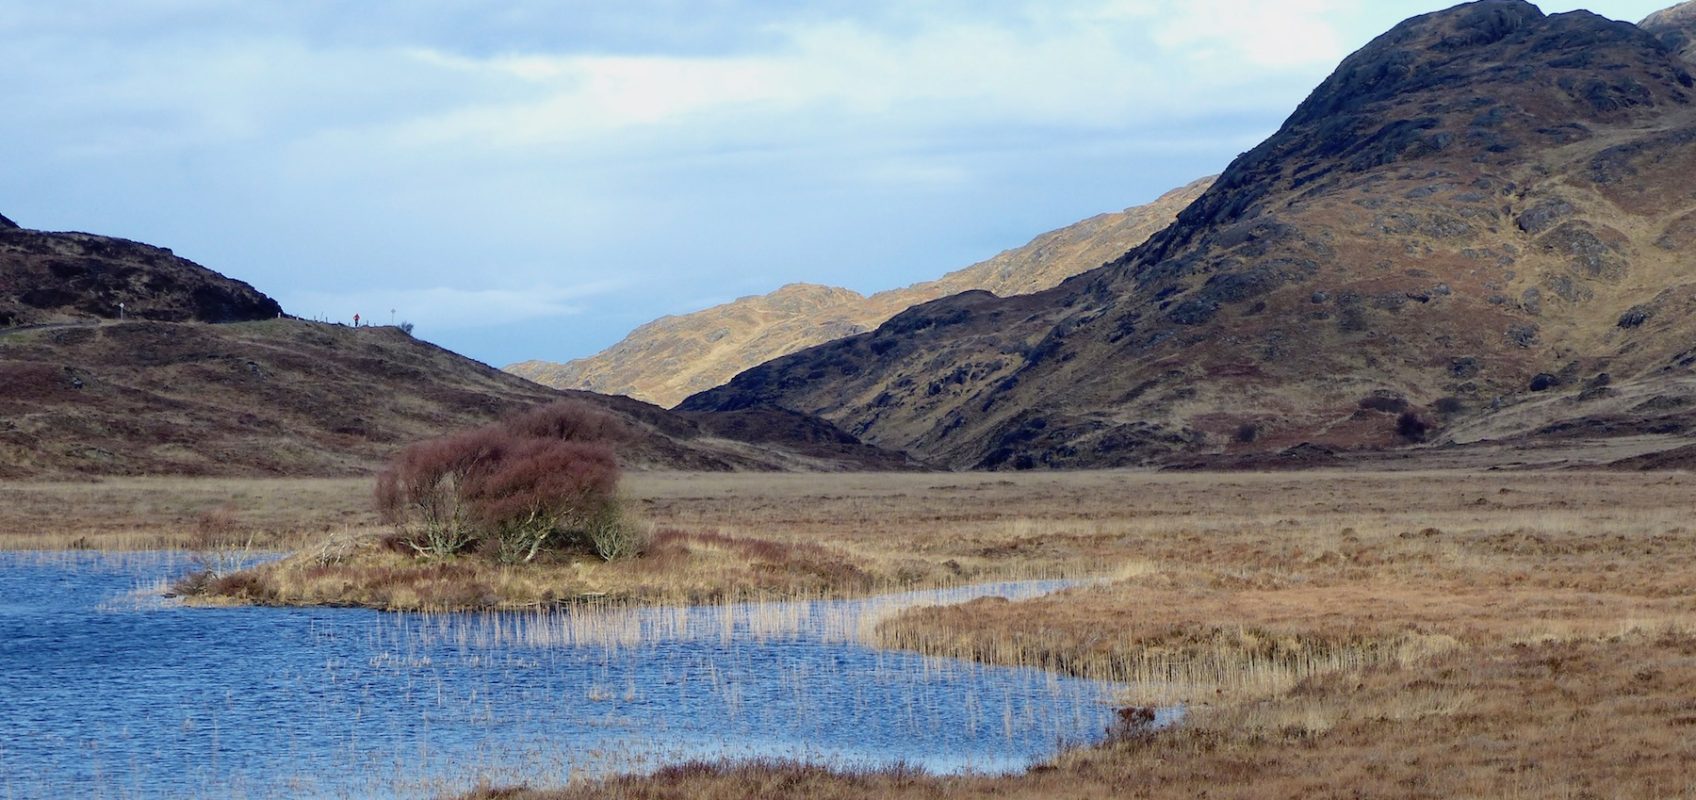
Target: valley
1361,469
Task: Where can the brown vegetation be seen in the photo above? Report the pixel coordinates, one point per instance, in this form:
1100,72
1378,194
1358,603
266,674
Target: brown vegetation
285,397
508,488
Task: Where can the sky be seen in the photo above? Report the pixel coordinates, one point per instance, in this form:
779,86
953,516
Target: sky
534,178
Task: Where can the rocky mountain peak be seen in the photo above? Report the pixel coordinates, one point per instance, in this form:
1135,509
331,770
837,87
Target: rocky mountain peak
1488,81
6,222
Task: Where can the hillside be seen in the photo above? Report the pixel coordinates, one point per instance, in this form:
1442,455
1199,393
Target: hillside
675,356
1676,28
1477,229
58,277
165,391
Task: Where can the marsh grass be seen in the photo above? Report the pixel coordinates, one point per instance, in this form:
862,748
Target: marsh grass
675,567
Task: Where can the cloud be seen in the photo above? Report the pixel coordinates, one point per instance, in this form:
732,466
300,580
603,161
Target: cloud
1293,33
847,78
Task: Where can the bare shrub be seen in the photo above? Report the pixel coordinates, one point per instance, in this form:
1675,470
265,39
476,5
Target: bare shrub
510,489
424,492
220,548
613,537
541,487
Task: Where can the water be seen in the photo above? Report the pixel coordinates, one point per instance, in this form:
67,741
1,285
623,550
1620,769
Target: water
107,690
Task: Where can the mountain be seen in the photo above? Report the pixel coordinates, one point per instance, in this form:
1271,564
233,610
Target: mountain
204,375
675,356
1478,227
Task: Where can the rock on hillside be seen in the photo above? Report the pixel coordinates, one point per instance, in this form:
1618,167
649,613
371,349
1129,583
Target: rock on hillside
1483,206
675,356
61,277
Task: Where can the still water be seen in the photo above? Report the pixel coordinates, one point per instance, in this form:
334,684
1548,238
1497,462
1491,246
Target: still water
107,690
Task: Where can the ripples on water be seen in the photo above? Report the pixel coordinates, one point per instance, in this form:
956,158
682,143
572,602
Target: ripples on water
108,691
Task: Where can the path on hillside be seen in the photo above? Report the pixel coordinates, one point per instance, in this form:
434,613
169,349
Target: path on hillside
49,326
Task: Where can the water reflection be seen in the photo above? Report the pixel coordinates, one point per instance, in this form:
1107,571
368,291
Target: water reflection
105,691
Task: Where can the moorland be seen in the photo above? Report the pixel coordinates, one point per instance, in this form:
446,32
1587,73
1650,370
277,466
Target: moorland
1374,462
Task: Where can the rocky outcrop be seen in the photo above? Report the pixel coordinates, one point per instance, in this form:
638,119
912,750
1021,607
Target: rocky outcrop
59,277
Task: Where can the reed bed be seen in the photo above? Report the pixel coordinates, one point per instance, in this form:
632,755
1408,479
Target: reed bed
409,704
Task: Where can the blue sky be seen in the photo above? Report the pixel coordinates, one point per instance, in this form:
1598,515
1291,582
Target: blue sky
533,179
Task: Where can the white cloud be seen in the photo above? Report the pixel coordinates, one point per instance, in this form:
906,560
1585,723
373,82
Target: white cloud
1233,33
847,79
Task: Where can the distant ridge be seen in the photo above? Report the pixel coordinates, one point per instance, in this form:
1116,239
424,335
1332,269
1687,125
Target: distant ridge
1676,28
672,357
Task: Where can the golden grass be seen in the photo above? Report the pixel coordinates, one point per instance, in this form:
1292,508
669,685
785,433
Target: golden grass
677,568
168,513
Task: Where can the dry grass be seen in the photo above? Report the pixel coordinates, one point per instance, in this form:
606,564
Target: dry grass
677,567
1568,719
168,513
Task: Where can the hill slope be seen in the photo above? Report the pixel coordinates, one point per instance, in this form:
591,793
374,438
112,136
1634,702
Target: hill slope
673,357
1676,28
1484,207
160,393
58,277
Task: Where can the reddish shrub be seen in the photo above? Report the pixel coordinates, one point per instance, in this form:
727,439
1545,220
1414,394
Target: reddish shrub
567,420
509,488
542,487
